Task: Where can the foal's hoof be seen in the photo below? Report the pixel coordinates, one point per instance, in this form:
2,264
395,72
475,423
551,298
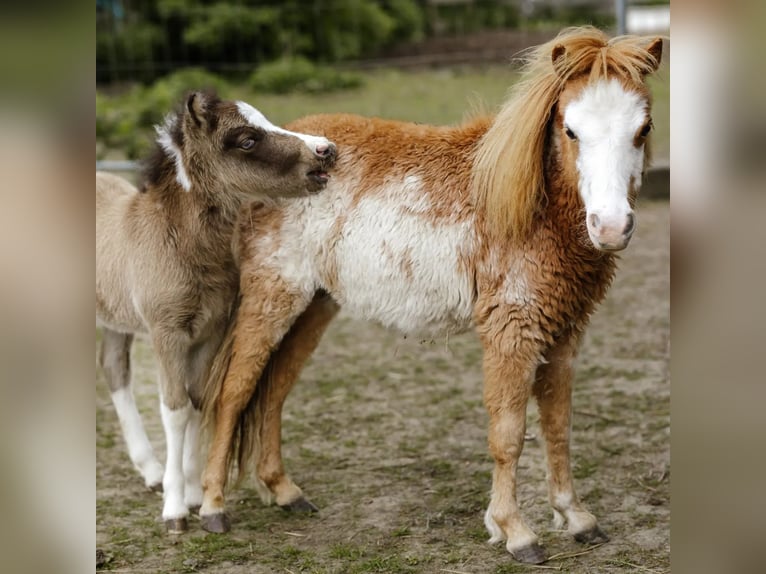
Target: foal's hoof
218,523
532,554
194,509
176,525
592,536
301,504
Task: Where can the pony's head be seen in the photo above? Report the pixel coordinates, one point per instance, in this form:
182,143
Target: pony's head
212,144
584,97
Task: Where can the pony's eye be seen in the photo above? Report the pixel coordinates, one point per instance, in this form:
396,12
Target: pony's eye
570,134
247,144
645,130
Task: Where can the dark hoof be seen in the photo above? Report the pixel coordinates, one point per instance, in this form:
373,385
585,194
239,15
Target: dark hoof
176,525
301,504
532,554
218,523
593,536
155,487
195,509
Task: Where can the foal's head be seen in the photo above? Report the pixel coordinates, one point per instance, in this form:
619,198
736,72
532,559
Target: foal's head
212,144
600,129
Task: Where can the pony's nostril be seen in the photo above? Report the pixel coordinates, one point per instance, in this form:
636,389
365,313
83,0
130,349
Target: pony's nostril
630,225
593,220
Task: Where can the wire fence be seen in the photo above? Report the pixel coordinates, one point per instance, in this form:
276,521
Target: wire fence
141,40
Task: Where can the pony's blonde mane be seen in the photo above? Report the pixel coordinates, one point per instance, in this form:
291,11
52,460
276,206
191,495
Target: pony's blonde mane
508,171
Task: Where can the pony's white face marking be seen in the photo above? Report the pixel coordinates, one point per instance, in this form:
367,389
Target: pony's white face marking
315,143
166,141
605,120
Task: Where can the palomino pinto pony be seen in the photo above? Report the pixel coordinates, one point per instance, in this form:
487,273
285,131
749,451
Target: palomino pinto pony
164,266
508,225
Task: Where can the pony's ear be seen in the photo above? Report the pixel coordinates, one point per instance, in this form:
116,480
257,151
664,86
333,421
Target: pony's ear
198,106
558,51
655,51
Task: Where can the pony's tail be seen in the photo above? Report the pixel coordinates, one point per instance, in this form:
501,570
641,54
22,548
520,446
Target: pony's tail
246,440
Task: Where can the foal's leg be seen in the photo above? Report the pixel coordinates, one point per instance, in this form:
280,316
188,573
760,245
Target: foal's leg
176,410
509,367
284,367
553,390
264,317
200,359
115,360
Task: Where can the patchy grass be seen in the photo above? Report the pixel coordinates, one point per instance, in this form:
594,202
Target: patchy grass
388,437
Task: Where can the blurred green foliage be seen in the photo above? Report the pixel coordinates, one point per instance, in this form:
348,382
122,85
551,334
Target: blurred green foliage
123,122
154,37
297,74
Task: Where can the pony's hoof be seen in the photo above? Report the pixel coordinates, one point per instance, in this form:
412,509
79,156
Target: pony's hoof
218,523
301,504
176,525
532,554
194,509
155,487
591,536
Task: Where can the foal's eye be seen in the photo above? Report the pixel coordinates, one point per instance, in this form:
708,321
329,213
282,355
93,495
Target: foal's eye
247,144
570,134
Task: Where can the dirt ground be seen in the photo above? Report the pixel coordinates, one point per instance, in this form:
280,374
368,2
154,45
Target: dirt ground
388,437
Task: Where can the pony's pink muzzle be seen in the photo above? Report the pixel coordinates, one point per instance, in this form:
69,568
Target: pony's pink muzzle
611,233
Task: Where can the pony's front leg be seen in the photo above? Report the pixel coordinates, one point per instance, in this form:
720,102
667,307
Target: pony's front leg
553,391
263,318
508,374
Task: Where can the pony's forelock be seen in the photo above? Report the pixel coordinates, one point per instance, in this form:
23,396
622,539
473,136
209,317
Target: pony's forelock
508,177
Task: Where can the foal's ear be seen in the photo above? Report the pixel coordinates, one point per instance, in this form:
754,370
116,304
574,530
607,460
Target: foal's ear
655,51
199,105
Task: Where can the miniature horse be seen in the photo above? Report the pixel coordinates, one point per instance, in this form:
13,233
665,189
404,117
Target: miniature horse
165,266
508,225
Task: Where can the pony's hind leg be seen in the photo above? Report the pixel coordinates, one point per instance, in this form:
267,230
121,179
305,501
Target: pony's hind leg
263,318
115,360
509,367
284,367
553,391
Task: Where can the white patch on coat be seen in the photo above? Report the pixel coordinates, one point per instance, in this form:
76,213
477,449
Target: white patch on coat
257,119
166,141
436,298
605,119
384,234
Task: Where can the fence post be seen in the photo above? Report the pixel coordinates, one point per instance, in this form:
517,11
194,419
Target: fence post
620,7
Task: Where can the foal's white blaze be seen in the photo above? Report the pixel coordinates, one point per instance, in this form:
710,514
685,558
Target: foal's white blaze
605,120
315,143
166,141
